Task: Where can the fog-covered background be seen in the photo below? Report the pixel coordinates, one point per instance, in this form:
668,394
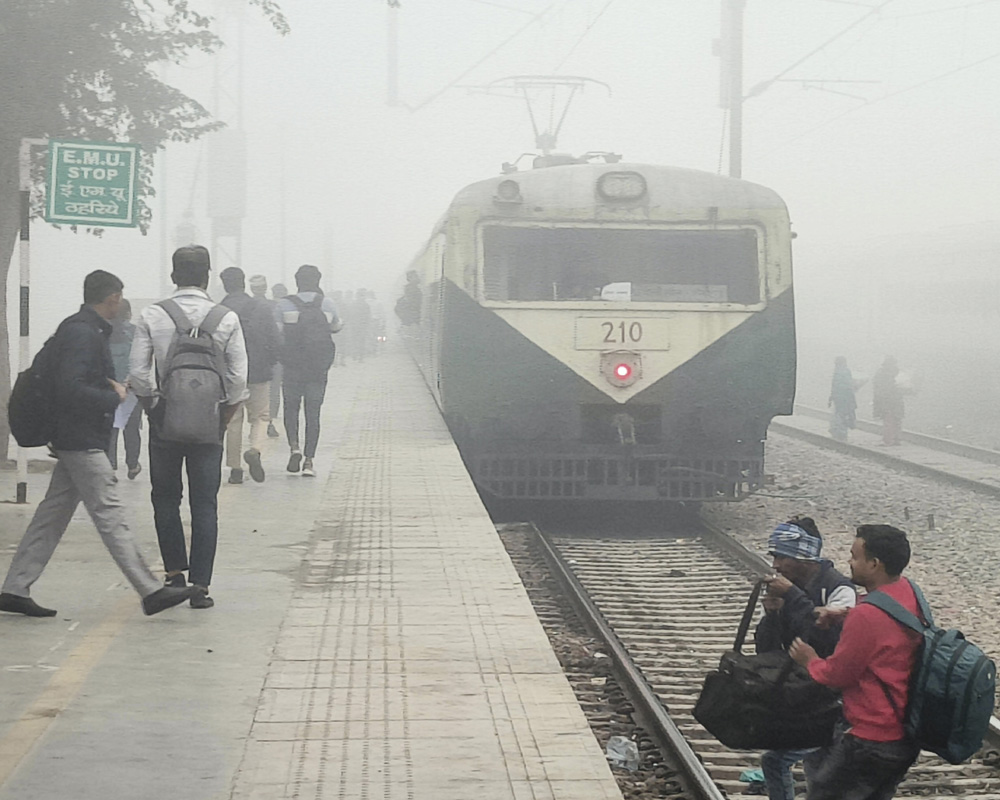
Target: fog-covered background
883,142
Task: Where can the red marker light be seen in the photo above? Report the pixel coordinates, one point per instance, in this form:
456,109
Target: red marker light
623,372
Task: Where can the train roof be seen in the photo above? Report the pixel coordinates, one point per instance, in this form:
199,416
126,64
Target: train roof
573,186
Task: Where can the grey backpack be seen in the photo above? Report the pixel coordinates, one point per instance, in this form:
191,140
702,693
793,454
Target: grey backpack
192,381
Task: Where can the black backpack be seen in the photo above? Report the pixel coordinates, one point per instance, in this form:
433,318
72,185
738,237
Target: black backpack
308,343
953,685
31,408
765,701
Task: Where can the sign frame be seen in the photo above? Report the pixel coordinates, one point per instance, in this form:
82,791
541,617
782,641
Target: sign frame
92,205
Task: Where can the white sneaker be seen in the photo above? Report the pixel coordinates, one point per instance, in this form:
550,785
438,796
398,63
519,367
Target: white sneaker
307,469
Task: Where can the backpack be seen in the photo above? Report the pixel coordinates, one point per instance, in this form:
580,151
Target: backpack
308,344
952,687
31,407
192,383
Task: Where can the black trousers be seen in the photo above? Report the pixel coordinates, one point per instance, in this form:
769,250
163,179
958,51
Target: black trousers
309,392
858,769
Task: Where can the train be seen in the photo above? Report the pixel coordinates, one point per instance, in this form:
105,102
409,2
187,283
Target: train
609,331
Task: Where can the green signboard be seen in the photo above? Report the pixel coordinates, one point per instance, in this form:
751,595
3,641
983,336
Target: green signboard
92,183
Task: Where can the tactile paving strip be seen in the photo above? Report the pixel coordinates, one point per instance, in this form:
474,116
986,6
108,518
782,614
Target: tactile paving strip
410,663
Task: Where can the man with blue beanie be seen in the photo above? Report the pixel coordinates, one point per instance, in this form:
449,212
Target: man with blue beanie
803,583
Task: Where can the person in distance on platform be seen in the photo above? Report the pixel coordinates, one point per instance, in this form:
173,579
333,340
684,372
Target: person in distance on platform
804,582
308,319
261,335
86,397
122,331
871,666
887,401
842,399
277,292
151,351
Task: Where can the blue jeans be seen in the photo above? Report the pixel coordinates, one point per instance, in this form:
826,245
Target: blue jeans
204,472
777,767
301,391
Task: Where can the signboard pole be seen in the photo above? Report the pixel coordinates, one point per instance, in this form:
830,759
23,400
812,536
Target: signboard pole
24,301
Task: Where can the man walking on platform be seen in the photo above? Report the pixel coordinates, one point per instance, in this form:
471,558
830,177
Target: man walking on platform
261,335
871,666
188,318
85,397
307,320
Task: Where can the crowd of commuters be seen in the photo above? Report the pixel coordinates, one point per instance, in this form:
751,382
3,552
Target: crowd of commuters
209,379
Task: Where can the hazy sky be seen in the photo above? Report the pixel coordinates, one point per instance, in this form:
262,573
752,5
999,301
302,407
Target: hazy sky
913,148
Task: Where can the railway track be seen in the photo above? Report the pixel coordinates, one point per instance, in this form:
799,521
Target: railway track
978,474
672,606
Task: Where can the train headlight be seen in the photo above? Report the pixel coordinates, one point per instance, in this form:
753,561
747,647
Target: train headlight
620,186
508,192
621,368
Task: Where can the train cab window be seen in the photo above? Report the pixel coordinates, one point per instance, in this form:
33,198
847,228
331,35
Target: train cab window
625,265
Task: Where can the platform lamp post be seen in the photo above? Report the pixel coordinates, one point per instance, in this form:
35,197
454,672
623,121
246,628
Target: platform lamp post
24,296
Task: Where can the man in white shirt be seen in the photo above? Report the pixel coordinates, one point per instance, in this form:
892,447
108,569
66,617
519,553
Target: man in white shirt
153,337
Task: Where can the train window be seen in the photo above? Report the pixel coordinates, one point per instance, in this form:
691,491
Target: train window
627,265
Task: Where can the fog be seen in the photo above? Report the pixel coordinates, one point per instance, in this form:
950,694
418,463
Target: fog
882,143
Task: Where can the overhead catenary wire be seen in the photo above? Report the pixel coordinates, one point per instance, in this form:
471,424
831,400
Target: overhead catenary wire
896,93
583,35
819,48
536,18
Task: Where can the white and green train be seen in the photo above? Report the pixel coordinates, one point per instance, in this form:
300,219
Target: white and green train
610,331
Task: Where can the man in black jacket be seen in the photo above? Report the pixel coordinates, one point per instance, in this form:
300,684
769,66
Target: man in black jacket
86,397
261,334
804,583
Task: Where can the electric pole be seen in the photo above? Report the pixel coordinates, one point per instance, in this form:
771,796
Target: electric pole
731,54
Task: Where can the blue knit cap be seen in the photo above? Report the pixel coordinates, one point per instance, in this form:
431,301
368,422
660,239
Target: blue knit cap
791,541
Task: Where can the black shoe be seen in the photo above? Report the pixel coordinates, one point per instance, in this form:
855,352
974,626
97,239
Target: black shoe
200,598
16,604
294,461
167,597
272,432
252,457
133,471
236,475
177,581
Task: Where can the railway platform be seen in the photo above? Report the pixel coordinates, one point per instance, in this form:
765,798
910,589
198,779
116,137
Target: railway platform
370,639
927,459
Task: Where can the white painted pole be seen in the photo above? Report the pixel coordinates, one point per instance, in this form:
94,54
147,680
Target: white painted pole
24,298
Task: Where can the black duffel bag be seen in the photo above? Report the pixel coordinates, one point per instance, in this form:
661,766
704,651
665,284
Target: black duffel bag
765,701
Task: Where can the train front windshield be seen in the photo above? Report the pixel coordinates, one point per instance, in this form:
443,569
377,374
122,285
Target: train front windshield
621,264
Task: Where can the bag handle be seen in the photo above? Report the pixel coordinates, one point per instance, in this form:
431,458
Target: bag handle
741,633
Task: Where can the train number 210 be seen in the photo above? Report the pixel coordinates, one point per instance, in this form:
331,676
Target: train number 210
622,333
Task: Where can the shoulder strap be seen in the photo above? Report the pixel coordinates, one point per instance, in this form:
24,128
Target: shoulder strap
213,318
317,302
741,633
181,322
297,301
882,601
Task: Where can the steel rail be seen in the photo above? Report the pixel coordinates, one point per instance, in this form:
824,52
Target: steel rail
983,454
649,710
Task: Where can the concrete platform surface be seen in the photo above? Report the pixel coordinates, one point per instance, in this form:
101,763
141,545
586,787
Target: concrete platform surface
370,639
